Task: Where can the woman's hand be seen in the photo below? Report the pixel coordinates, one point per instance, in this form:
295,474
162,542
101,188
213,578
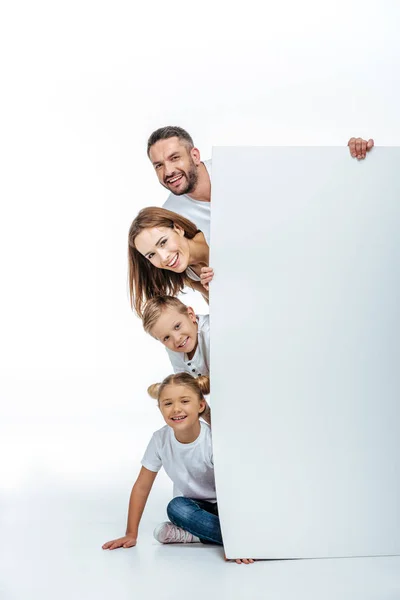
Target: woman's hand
128,541
206,275
359,147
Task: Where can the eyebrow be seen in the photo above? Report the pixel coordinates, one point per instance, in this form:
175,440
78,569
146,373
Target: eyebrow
180,398
173,325
157,243
160,162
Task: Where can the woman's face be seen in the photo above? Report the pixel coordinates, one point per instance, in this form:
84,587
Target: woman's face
164,247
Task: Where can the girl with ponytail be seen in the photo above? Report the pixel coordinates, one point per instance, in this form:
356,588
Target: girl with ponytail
184,448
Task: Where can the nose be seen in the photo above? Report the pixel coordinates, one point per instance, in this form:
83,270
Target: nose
164,255
169,169
177,339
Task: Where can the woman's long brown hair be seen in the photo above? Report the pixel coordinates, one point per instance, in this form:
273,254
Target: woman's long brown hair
145,280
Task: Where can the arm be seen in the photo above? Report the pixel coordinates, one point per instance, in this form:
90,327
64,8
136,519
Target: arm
140,493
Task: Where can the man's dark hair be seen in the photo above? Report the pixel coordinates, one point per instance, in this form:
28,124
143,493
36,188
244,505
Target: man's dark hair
164,133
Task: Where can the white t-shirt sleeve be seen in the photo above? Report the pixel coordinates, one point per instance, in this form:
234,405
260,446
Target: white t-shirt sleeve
152,459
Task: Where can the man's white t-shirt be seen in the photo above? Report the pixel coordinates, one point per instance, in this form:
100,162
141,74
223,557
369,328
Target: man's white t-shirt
195,210
200,363
189,466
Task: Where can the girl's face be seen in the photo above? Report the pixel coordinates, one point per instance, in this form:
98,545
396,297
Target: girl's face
176,331
180,406
164,247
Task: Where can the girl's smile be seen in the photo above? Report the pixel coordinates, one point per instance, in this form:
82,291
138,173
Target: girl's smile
180,407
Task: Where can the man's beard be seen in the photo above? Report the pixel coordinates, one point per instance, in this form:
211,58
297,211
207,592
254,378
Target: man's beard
192,178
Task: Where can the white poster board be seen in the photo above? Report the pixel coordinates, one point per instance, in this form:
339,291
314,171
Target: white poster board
305,333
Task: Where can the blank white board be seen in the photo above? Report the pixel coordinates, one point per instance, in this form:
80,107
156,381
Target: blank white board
305,334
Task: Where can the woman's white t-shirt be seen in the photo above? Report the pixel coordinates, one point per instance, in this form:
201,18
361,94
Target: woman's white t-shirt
200,363
189,466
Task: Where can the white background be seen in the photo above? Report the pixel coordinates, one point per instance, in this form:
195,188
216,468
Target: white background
82,86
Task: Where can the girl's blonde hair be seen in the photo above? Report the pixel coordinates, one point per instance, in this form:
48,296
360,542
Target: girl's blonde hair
155,307
199,385
145,280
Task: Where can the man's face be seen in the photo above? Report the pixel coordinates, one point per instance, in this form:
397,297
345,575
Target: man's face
175,165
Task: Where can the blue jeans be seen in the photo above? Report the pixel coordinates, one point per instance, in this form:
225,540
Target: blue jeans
198,517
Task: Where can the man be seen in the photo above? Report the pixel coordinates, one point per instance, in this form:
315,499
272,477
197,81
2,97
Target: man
177,163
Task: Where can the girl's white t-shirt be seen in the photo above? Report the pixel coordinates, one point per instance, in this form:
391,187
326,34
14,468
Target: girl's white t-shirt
189,466
200,363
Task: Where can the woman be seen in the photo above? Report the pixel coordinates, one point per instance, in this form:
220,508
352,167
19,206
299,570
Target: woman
166,253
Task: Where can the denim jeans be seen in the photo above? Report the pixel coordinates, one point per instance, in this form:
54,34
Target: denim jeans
197,517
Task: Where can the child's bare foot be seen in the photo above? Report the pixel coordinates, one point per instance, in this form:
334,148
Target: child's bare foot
240,561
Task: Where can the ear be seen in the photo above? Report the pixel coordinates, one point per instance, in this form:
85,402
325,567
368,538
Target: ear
202,407
179,230
195,154
192,314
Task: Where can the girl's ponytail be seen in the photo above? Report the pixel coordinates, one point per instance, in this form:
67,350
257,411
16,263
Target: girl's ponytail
153,390
204,384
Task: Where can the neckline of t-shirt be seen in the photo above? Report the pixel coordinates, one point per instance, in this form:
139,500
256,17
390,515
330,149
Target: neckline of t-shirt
190,444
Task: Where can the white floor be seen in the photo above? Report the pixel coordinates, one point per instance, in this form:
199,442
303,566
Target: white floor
51,548
64,486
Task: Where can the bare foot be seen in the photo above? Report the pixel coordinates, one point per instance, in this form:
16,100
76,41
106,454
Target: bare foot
240,561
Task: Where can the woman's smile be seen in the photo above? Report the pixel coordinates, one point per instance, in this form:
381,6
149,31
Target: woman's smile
174,263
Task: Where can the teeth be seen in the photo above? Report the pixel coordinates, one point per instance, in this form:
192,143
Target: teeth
178,418
183,343
174,179
173,262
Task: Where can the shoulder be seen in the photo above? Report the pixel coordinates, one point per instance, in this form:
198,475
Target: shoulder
208,165
176,358
206,433
161,435
204,328
173,201
204,322
206,441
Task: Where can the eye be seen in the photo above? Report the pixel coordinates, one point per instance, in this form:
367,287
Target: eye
167,403
157,167
163,242
177,326
166,338
150,256
185,401
175,157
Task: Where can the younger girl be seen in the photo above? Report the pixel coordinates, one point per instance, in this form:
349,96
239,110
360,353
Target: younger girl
184,448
